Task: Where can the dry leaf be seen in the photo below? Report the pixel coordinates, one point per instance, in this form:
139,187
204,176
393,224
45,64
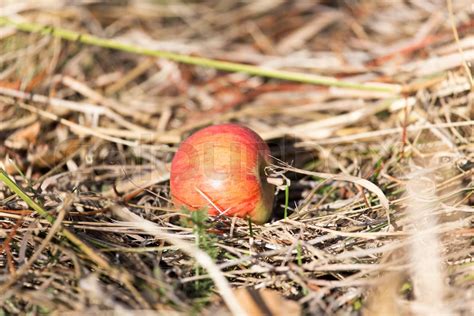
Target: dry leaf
22,138
48,156
263,302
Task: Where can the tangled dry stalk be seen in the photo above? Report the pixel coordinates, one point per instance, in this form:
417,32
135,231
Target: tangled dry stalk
88,134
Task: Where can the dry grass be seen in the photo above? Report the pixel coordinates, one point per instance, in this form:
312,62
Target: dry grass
89,133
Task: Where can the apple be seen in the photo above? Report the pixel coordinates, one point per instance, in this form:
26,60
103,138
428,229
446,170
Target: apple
222,168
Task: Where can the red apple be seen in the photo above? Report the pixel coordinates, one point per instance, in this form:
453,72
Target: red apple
222,168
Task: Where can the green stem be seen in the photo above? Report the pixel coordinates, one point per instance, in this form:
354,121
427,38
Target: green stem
192,60
51,219
250,226
287,201
299,252
16,189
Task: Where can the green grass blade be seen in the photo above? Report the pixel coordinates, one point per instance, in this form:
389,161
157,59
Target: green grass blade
19,191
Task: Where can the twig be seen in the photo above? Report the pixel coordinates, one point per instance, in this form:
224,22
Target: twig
201,257
384,132
456,37
339,177
25,267
120,276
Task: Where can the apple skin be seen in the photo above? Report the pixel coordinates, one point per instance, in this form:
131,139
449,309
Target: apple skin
221,168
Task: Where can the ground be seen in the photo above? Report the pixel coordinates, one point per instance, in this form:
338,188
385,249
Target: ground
363,104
